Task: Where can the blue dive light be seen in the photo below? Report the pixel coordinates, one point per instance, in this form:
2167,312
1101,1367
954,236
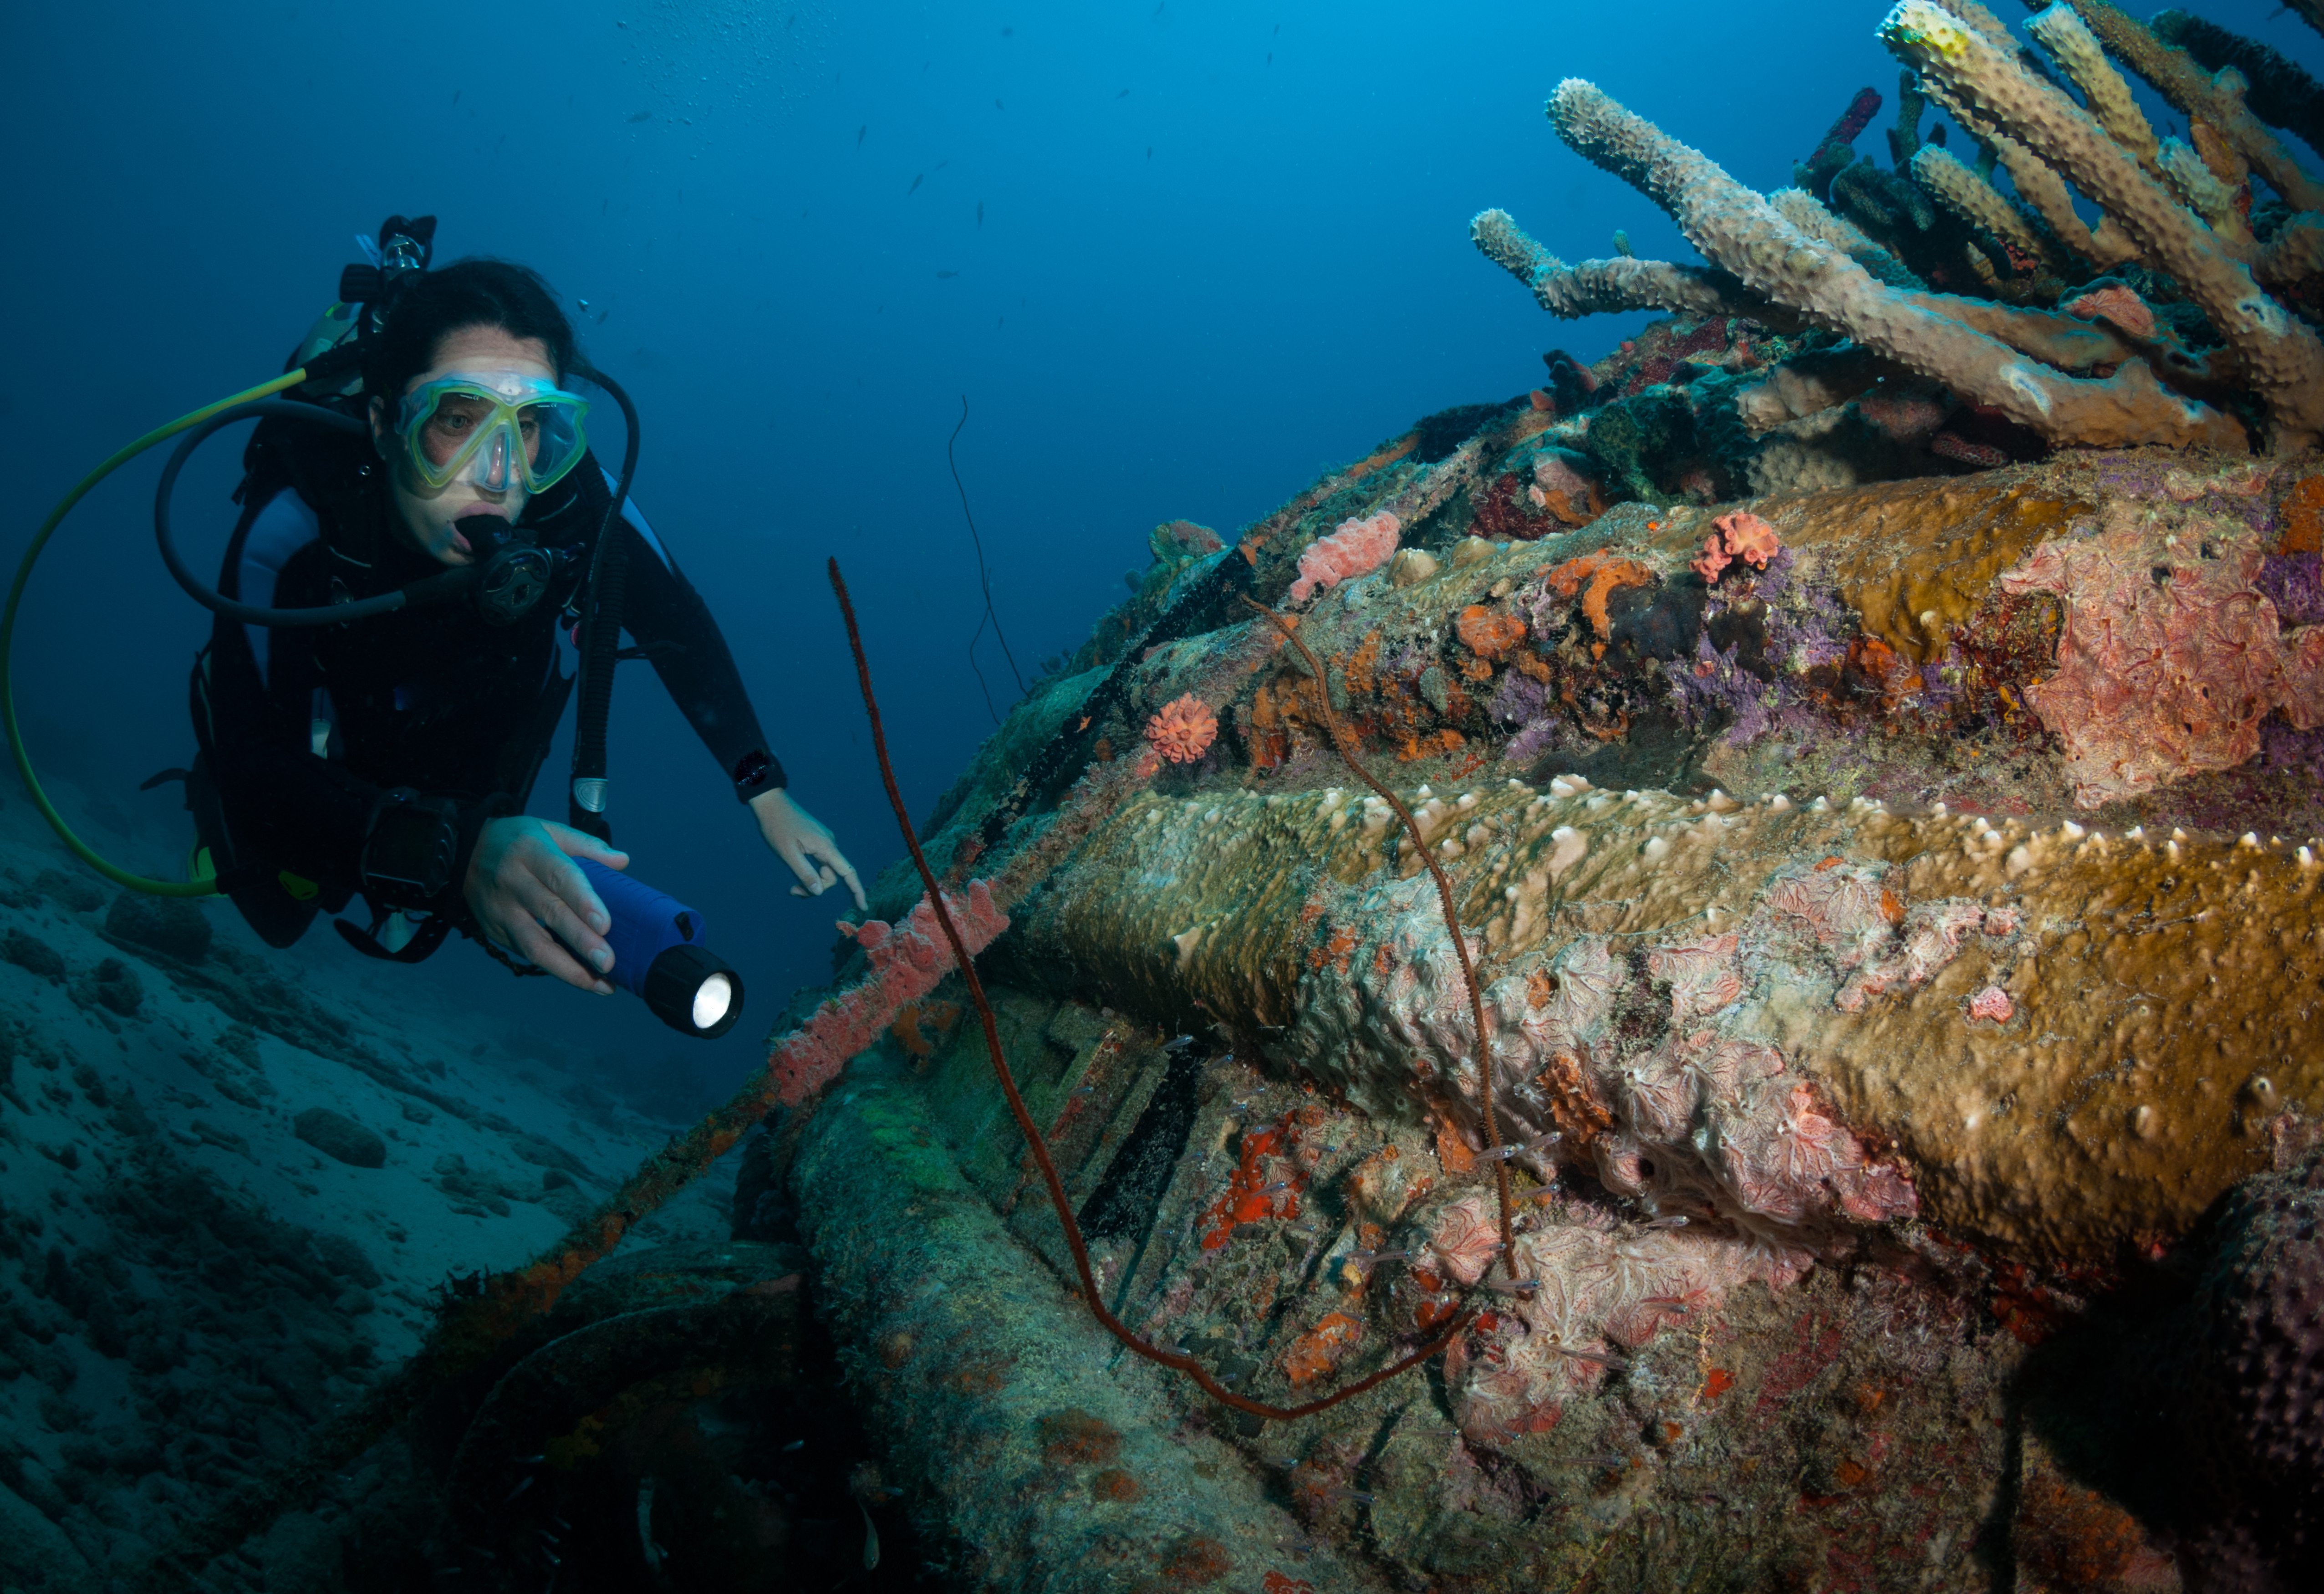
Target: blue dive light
659,956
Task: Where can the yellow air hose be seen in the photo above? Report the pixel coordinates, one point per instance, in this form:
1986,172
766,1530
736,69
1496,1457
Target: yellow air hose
81,850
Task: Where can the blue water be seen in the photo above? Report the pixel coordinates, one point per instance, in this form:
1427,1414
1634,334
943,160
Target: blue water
1179,257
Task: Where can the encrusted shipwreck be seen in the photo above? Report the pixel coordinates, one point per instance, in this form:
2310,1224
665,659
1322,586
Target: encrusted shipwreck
1865,734
1886,840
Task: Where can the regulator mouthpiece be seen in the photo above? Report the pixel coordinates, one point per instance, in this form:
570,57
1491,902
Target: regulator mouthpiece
659,957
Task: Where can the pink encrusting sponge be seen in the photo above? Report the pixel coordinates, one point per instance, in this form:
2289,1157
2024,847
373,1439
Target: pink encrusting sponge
1357,548
908,959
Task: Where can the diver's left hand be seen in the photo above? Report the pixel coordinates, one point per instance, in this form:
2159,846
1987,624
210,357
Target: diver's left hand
804,842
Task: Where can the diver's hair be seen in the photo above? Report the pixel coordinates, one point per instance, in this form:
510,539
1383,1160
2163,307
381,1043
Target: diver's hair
477,291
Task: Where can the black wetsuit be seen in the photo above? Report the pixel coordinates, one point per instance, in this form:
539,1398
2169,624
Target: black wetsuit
304,728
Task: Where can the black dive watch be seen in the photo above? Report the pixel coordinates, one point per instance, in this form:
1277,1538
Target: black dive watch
410,846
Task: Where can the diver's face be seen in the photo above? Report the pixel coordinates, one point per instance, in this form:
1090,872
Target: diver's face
424,514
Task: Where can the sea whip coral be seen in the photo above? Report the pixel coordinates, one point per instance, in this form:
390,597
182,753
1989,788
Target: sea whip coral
1183,730
1741,536
1357,548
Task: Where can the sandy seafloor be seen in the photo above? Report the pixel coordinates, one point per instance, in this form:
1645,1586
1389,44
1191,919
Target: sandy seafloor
187,1286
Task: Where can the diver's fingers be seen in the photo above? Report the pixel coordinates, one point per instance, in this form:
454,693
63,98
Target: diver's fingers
557,894
557,915
564,883
581,844
794,855
846,872
537,946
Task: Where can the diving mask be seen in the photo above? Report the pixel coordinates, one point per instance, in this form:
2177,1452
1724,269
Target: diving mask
503,429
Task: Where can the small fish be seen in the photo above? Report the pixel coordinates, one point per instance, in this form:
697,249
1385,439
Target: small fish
980,213
999,106
1502,1153
1371,1259
602,314
641,117
1278,1184
1604,1359
871,1541
1085,1089
1513,1286
1345,1493
1123,95
860,132
943,274
796,1444
1670,1303
1679,1221
456,95
917,180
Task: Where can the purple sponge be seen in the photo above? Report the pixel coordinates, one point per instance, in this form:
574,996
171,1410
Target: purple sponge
2253,1407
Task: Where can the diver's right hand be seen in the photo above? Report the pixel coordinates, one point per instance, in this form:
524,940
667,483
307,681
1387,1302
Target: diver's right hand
523,887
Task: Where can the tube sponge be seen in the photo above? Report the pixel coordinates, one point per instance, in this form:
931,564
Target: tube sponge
1737,229
1974,201
2083,60
2176,76
2283,359
1596,287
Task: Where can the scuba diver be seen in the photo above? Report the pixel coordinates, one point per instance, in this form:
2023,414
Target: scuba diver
391,756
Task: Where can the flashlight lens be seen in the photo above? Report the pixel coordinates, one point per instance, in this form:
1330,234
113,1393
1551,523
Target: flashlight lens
711,1000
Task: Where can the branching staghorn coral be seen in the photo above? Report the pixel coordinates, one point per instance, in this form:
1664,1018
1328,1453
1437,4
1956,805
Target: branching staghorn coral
1976,349
2280,359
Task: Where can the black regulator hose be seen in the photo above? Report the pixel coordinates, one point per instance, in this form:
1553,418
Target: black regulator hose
433,589
600,636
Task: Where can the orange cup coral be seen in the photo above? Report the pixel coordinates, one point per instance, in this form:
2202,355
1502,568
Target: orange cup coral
1741,536
1183,730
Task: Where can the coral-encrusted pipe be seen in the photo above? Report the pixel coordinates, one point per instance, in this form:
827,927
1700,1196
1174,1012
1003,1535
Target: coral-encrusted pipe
908,959
1034,1140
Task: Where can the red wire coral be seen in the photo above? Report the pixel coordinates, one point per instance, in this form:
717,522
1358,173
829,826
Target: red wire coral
1183,730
